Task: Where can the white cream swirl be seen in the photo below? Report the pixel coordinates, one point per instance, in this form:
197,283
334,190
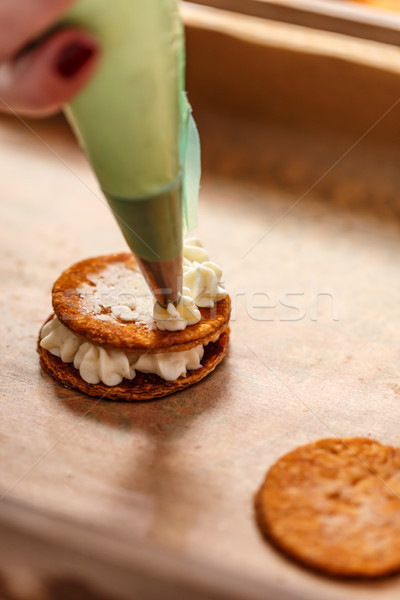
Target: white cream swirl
202,287
98,364
193,251
175,318
204,283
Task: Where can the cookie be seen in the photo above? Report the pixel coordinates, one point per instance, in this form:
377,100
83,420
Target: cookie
79,308
334,505
145,386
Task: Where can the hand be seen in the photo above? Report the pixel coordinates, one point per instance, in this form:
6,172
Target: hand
39,80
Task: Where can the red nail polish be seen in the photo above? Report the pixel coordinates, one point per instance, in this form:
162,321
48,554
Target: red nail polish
72,58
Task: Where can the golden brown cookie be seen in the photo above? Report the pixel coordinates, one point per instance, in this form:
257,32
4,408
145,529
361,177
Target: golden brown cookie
144,386
334,505
115,333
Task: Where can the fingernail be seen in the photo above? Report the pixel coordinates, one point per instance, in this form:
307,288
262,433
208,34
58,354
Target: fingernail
72,58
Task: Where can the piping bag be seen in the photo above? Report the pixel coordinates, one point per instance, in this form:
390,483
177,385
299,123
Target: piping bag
135,124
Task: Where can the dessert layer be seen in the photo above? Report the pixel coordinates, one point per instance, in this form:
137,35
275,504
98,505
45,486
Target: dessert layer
145,386
100,364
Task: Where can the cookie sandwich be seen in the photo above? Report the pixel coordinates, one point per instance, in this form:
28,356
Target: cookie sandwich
108,338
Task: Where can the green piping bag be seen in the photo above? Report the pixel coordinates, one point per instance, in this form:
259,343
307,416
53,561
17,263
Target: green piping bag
135,124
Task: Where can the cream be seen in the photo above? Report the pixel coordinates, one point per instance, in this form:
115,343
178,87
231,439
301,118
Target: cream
98,364
193,251
174,318
203,282
201,287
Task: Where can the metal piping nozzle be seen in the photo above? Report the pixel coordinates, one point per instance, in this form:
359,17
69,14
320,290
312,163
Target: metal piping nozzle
164,278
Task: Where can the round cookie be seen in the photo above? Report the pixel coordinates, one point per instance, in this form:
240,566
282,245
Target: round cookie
145,386
334,505
73,302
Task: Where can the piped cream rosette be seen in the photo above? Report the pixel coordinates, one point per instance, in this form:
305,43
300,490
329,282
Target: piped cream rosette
202,287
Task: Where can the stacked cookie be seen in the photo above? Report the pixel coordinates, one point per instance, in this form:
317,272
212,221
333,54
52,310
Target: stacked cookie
107,339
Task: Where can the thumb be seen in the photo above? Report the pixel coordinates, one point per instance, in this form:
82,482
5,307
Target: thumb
39,82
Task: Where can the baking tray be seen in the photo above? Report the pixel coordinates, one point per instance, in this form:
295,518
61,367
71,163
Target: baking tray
300,206
340,16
